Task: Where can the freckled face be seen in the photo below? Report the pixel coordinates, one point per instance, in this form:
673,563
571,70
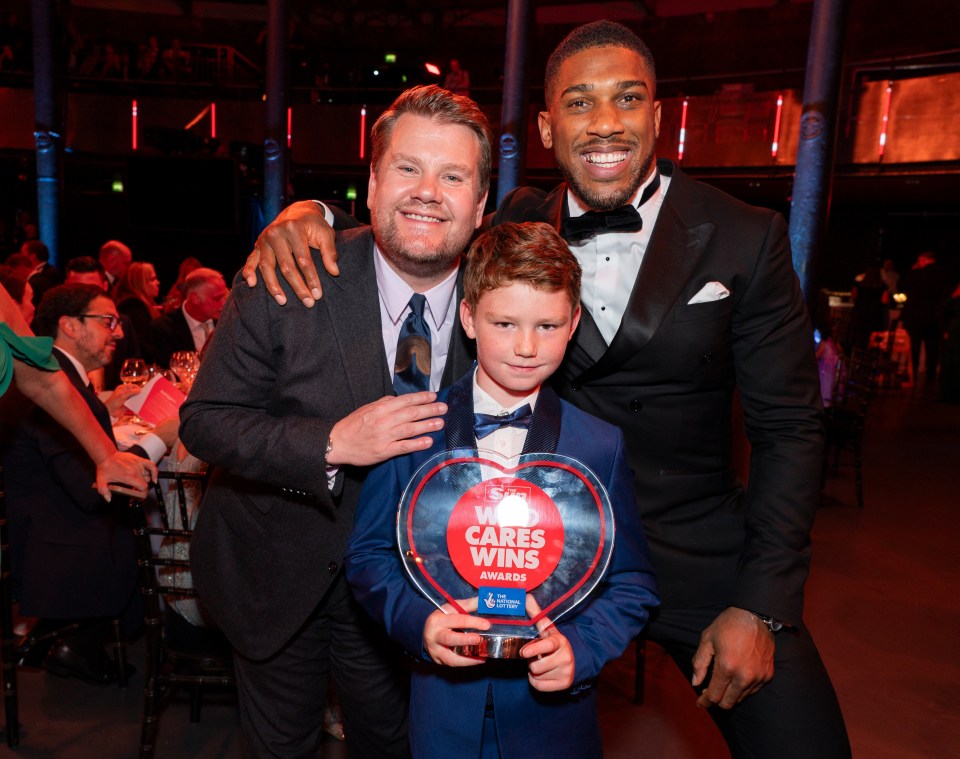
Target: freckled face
602,124
423,196
522,334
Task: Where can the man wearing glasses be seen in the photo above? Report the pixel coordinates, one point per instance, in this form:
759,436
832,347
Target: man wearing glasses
72,553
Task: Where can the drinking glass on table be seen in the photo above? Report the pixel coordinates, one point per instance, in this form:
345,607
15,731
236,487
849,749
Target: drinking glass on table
185,364
134,371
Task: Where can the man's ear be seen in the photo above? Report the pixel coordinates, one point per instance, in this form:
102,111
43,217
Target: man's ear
466,319
546,133
575,321
481,204
371,187
67,326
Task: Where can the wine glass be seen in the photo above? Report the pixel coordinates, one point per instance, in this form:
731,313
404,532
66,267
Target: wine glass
185,364
134,371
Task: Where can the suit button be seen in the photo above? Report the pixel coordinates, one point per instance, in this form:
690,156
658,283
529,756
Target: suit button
707,358
636,404
577,387
332,567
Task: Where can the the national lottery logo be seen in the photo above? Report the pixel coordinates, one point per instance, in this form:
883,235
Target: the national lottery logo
505,531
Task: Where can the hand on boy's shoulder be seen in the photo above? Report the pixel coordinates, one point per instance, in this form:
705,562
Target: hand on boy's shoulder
444,630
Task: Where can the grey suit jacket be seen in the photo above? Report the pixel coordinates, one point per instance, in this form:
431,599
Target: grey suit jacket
667,380
271,534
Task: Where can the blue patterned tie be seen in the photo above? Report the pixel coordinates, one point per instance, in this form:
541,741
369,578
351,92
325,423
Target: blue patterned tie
485,424
411,371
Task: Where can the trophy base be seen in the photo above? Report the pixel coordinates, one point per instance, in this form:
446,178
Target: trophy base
494,646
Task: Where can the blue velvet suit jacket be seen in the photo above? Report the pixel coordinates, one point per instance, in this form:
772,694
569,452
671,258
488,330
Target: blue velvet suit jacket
448,704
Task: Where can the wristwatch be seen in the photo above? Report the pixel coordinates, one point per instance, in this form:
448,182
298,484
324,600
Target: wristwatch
773,625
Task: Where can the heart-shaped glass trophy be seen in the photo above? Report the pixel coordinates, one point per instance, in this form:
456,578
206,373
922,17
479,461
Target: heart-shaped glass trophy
529,538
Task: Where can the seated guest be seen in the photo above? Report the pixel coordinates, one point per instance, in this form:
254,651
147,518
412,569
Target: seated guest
136,296
20,290
86,270
115,257
188,327
174,298
44,275
21,264
72,553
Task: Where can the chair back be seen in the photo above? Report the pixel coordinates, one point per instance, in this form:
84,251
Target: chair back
856,383
174,660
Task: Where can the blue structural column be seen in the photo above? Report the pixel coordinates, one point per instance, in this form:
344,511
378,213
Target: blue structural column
513,119
810,207
275,139
47,124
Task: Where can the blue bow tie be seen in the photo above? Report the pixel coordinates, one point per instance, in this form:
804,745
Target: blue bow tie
484,424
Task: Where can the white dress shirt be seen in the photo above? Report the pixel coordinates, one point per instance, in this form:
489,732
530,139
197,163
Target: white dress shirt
200,331
507,441
611,261
440,314
152,445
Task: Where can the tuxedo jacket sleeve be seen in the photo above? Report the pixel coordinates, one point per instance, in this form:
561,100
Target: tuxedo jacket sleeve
667,379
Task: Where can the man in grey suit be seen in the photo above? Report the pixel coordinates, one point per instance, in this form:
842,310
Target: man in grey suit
292,405
688,295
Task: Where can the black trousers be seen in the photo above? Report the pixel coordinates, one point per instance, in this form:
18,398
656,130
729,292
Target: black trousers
794,716
282,698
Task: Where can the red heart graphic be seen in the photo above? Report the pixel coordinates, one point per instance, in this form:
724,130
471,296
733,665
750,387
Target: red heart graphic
477,460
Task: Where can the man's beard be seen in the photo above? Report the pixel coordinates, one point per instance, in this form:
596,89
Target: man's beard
419,259
595,200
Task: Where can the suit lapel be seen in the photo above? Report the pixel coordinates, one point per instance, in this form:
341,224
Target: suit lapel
183,335
678,241
354,310
97,406
542,437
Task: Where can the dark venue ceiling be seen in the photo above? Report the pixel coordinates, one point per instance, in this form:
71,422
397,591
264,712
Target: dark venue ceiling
692,39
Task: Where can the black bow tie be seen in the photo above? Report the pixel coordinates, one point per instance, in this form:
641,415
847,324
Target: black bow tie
484,424
622,219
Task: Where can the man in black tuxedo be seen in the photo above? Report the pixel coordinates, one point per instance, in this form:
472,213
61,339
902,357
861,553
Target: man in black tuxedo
688,295
292,406
189,327
73,557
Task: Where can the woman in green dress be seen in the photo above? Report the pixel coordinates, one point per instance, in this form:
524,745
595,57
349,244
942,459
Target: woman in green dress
27,360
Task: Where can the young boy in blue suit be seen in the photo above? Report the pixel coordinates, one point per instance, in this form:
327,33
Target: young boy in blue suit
522,305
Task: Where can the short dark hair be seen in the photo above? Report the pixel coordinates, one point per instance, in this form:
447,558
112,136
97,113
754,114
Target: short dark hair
63,300
36,249
15,284
433,102
532,253
595,34
86,265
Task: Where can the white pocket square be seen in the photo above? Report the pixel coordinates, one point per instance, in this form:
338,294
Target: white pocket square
710,292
